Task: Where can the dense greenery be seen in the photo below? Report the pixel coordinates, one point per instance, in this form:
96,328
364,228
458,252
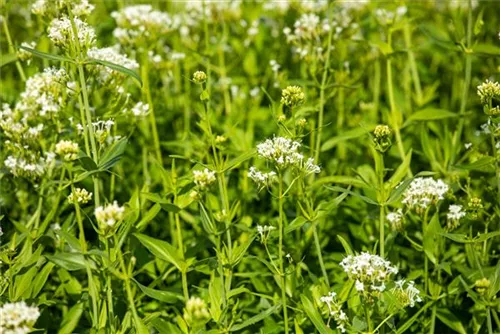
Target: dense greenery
250,166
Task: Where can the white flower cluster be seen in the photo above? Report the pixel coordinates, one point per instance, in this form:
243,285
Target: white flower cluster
108,216
386,17
370,272
454,215
61,33
283,6
264,231
488,90
67,149
262,179
407,296
284,152
306,34
396,218
203,178
423,192
50,8
111,54
80,195
24,55
196,311
335,311
17,318
140,109
141,23
29,165
102,129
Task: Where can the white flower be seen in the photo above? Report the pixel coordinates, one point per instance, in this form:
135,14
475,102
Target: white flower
17,318
112,55
67,149
203,178
109,216
140,109
80,195
282,151
455,212
423,192
360,286
262,179
61,33
407,296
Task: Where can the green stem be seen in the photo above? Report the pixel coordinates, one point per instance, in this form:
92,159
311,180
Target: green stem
465,91
413,64
395,114
147,94
488,317
221,270
367,316
320,255
322,99
12,50
426,260
280,254
109,290
433,319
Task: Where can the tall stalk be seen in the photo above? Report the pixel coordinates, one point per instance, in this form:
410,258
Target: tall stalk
280,253
465,92
12,50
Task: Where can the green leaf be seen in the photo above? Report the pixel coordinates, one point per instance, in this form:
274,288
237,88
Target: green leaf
430,114
350,134
450,320
239,251
431,238
486,49
68,261
47,55
343,190
215,295
23,284
255,319
462,238
169,207
346,246
341,179
7,59
296,224
88,163
41,278
71,319
232,164
149,216
400,172
314,316
484,164
115,67
163,250
163,296
403,328
113,154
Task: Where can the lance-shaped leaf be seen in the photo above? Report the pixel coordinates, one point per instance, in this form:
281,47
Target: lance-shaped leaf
48,55
115,67
163,250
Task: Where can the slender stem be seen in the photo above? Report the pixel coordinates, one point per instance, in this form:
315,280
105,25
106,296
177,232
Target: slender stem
395,113
12,50
320,255
152,118
367,316
413,64
383,322
433,319
426,260
322,98
93,297
465,91
221,270
488,318
280,254
381,191
109,289
382,230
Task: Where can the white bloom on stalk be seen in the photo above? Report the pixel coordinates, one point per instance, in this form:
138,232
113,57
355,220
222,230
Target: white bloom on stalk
423,192
109,216
203,178
488,90
262,179
112,55
17,318
140,109
264,231
284,152
407,296
454,215
370,272
61,33
335,310
80,195
67,149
